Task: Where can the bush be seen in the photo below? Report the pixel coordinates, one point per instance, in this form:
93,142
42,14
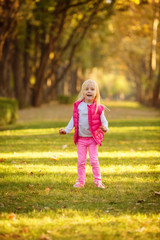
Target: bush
66,99
8,110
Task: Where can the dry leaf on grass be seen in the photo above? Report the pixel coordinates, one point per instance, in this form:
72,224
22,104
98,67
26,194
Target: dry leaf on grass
25,229
2,159
44,237
47,189
12,216
54,158
23,162
157,193
64,146
30,186
140,201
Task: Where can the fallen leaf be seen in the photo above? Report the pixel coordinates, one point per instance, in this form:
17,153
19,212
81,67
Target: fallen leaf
30,186
64,146
140,229
2,159
18,208
54,158
12,216
157,193
140,201
23,162
47,189
44,237
25,229
106,211
47,208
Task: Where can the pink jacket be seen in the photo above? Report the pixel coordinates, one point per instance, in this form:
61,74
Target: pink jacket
94,122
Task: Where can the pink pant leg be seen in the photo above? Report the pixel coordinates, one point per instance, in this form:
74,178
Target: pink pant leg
93,154
82,158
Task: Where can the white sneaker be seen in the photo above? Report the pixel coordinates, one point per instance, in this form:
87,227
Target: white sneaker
100,185
78,185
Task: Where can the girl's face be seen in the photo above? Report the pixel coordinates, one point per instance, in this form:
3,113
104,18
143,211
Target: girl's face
89,93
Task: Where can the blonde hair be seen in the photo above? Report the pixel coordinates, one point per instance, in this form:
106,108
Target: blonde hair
97,97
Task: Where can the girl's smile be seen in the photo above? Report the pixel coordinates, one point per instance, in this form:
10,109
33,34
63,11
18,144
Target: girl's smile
89,93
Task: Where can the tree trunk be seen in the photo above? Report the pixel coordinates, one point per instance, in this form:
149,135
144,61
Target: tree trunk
156,34
54,94
139,97
4,62
17,73
27,68
37,91
73,81
153,56
40,73
156,91
8,21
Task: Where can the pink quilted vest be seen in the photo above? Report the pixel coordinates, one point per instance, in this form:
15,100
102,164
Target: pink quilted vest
93,121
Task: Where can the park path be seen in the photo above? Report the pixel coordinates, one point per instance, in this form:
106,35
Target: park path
55,111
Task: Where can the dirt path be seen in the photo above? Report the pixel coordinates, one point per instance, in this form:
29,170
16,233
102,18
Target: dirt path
55,111
50,111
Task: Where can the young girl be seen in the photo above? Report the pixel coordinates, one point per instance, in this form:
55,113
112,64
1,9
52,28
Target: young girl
90,125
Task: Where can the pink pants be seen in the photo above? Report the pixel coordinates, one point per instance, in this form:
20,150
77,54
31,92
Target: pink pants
83,143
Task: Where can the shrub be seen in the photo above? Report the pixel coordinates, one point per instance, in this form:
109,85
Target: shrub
66,99
8,110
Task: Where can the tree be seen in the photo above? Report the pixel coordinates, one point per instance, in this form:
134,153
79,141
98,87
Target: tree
39,38
131,48
9,11
155,53
78,17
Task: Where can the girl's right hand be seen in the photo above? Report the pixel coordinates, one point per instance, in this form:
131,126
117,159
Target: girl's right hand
103,128
62,131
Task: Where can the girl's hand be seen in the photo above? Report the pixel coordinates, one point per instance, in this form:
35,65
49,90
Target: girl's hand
62,131
103,128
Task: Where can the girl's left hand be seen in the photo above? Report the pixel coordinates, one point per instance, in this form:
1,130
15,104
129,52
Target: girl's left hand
103,128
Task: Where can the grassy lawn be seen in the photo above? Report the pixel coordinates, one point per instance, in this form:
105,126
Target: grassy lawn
37,200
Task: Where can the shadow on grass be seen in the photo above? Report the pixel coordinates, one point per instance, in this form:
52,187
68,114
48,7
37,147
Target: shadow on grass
125,192
53,141
70,161
58,124
34,125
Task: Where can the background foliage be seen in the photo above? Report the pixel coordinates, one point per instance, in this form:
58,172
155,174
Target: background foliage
48,48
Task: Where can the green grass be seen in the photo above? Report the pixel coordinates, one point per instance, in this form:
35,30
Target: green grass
127,209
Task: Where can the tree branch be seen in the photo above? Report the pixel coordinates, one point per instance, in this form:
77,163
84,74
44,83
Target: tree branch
75,5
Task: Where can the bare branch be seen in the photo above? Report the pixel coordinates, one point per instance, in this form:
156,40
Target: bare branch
75,5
